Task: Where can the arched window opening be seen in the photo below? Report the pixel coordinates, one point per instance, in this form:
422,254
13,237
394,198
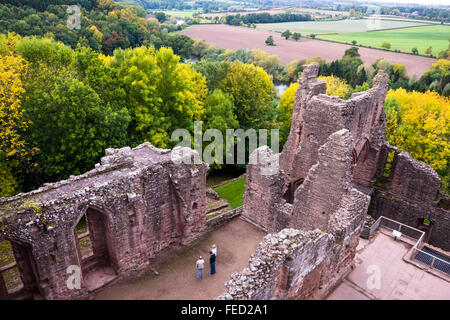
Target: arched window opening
18,272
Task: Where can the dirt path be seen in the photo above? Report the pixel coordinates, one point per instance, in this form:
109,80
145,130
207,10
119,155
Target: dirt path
235,241
229,37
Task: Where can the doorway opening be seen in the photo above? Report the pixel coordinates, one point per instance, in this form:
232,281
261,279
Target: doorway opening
95,249
290,192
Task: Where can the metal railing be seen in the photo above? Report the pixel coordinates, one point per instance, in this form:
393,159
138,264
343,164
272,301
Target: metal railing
409,232
417,252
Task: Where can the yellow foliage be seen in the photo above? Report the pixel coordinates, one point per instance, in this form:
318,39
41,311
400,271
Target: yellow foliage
419,123
337,87
96,34
258,55
11,113
442,64
286,105
8,185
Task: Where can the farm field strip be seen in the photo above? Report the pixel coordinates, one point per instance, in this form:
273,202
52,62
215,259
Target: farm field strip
312,12
229,37
405,39
339,26
178,13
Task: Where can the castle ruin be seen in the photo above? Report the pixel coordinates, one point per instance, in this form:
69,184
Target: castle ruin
332,172
139,206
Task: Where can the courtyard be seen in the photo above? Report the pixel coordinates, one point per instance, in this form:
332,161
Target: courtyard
235,241
399,279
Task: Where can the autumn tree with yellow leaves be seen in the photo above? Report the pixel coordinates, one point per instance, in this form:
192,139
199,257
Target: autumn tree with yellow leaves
14,151
419,123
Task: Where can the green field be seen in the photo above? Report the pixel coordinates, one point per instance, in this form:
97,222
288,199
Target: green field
435,36
340,26
179,14
233,192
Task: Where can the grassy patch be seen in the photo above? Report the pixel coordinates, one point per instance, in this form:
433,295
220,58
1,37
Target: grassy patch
179,13
404,40
233,192
340,26
6,253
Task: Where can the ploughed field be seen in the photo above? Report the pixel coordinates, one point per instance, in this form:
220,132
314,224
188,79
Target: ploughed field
340,26
405,39
230,37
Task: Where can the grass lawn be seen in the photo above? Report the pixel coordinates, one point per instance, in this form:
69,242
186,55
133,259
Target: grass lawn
178,13
340,26
435,36
233,192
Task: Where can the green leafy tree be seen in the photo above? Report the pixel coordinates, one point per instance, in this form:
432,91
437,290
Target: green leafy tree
252,90
161,16
386,45
286,34
72,129
296,36
269,41
181,45
162,94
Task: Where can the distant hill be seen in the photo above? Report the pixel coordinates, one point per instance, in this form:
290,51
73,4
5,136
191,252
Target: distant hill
105,24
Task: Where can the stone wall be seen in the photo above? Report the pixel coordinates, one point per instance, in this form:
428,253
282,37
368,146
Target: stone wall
291,264
333,160
330,149
409,192
144,206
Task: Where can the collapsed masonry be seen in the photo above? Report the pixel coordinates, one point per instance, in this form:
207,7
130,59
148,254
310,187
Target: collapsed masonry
318,196
139,205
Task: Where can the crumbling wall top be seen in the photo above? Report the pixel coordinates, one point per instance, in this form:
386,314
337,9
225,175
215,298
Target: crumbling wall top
116,163
265,262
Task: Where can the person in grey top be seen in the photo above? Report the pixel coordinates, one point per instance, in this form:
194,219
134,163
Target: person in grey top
200,267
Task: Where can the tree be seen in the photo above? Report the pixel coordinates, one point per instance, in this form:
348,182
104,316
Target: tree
269,41
296,36
312,36
181,45
252,90
354,42
162,94
386,45
437,78
286,109
72,128
161,16
286,34
429,51
419,124
352,13
415,50
337,87
444,54
219,112
15,152
352,52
